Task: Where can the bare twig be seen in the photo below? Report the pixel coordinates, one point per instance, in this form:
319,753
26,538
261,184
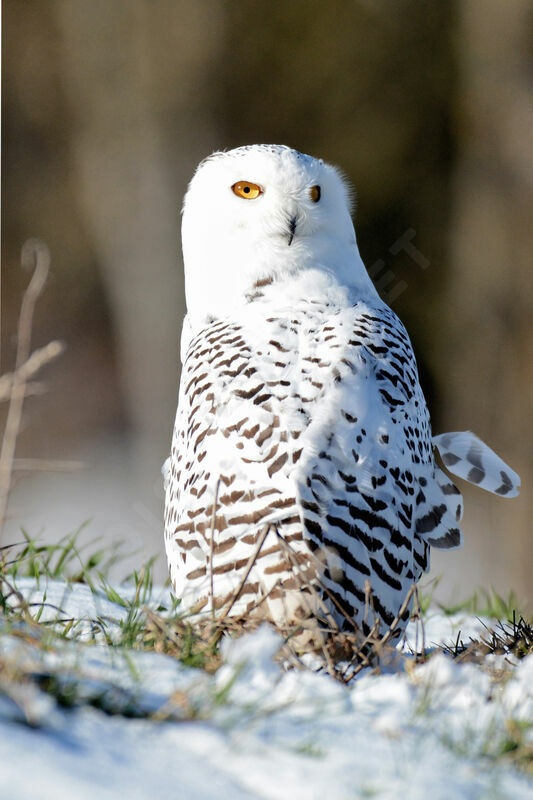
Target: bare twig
27,369
36,255
6,383
46,465
36,361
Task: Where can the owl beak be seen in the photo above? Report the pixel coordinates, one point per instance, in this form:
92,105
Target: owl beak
292,229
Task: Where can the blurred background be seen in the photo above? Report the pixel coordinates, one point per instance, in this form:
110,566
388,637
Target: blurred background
107,109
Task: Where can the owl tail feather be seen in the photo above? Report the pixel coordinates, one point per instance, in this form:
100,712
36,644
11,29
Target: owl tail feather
466,456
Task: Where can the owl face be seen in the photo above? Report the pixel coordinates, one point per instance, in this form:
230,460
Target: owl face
260,213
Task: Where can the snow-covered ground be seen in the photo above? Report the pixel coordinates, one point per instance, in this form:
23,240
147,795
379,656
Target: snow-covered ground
252,730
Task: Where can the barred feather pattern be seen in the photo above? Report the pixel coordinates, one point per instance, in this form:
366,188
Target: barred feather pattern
302,446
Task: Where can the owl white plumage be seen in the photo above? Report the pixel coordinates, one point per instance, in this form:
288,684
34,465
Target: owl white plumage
302,481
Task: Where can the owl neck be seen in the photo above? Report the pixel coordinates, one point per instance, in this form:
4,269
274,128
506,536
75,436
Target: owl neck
269,273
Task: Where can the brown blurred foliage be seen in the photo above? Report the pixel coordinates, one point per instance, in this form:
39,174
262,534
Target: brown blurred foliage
426,107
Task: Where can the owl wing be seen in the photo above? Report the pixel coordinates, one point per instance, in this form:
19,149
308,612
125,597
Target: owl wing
372,495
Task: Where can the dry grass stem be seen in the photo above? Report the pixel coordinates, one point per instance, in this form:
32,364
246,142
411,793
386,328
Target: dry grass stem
308,585
417,615
263,598
344,652
403,608
514,637
304,581
251,562
212,548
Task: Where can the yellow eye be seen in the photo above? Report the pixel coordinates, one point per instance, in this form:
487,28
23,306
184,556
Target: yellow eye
315,193
247,190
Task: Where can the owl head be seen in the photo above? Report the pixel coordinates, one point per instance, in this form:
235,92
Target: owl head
263,213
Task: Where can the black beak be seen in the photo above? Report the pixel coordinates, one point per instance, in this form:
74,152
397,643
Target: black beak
292,229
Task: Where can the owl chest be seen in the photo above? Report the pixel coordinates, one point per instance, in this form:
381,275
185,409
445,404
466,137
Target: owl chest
286,366
252,390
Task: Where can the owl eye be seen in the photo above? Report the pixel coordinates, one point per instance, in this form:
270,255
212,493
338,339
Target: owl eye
247,190
314,193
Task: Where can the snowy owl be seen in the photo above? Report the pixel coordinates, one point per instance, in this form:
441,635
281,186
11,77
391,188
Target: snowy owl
302,481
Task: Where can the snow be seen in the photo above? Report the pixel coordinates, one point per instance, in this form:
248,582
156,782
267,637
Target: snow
425,730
